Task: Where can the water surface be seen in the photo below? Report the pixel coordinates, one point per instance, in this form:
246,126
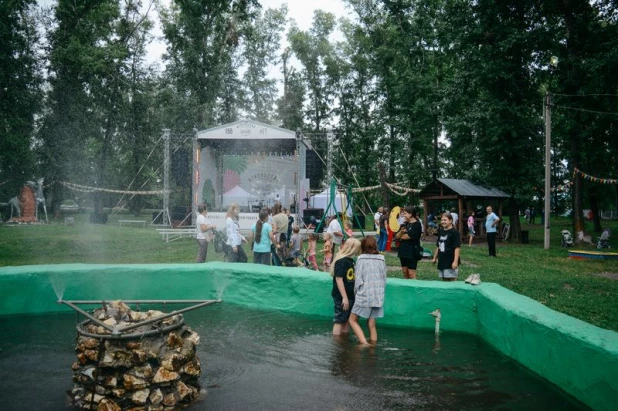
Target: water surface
256,360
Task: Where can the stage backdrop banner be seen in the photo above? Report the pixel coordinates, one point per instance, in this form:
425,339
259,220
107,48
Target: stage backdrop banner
245,220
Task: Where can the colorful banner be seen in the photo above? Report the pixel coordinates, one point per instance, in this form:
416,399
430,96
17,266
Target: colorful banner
594,179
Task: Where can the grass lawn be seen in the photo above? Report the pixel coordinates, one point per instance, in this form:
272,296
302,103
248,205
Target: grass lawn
585,289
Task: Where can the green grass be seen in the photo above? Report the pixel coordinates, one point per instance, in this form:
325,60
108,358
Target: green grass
573,287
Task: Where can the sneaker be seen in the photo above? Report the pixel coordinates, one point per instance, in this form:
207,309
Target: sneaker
476,280
470,277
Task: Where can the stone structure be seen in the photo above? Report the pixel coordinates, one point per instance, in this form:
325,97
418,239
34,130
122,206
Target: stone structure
156,372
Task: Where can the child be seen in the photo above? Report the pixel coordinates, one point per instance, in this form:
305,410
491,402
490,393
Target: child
312,242
447,251
328,251
348,229
471,231
296,243
370,273
342,271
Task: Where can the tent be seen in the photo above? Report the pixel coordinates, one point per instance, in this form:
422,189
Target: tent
321,201
239,196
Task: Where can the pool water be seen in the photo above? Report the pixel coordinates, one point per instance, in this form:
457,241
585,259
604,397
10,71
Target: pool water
258,360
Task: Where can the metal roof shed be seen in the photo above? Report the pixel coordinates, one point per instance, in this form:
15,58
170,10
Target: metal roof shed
467,196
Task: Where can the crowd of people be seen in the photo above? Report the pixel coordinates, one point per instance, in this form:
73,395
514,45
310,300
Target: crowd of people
358,267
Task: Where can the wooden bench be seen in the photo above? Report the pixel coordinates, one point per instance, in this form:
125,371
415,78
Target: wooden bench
142,222
172,234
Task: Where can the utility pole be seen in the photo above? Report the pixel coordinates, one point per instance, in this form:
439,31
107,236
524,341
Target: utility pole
553,63
166,178
547,166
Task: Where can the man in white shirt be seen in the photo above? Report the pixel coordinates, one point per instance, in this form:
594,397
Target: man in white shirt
334,228
376,218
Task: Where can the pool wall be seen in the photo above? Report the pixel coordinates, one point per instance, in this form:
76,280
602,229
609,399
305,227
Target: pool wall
580,358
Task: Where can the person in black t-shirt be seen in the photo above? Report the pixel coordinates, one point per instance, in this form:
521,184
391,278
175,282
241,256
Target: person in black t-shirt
447,251
409,236
342,271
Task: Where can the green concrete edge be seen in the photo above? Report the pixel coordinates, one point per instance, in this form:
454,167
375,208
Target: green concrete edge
579,358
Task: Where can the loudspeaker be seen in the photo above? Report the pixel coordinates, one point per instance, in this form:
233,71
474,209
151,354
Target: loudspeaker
361,221
313,212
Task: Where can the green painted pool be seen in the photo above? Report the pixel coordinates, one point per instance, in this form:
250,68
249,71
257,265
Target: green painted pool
276,361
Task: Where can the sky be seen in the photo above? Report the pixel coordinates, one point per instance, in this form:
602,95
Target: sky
301,11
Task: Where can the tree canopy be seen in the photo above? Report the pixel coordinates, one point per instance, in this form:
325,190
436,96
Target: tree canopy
418,89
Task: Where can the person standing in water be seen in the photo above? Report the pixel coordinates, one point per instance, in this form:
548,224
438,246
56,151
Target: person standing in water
342,271
447,250
369,286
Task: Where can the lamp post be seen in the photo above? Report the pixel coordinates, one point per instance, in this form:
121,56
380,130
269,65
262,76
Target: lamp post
553,63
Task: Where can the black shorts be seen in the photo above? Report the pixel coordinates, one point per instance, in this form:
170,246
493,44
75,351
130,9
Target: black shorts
341,316
408,262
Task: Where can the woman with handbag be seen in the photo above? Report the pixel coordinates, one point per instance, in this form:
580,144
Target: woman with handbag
204,232
409,237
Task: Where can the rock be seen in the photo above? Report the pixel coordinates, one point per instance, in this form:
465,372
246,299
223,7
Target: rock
139,356
140,397
89,372
119,392
92,355
174,340
192,368
182,390
81,357
163,375
172,361
144,371
108,405
111,322
134,383
91,343
110,381
193,337
134,345
97,398
170,400
156,396
115,357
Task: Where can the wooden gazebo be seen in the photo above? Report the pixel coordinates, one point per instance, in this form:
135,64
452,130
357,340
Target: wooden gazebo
463,195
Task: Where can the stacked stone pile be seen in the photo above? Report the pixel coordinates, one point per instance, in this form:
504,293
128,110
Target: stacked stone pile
157,372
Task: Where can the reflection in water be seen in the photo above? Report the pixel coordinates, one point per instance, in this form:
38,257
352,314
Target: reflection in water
275,361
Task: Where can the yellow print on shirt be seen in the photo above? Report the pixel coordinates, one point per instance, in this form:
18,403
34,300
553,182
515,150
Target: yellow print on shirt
350,274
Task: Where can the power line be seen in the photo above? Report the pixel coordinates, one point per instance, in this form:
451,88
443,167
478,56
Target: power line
585,110
585,95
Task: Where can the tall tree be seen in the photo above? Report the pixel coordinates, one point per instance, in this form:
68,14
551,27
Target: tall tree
260,53
201,35
20,93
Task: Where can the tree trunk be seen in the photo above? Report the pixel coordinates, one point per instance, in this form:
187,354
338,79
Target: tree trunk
594,207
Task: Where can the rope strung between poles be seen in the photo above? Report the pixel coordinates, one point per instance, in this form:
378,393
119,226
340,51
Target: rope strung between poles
87,189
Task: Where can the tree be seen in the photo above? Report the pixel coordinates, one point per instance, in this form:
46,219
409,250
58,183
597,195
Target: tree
260,52
201,35
20,94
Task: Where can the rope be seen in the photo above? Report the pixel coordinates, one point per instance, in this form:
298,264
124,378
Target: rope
355,179
87,189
